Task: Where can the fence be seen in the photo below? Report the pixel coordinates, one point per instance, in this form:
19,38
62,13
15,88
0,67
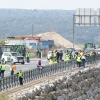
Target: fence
34,74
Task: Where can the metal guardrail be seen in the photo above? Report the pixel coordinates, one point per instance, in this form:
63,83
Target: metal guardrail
34,74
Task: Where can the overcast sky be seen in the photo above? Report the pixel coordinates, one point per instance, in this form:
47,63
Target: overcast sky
50,4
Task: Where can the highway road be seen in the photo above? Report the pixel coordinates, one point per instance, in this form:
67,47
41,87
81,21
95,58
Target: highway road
26,66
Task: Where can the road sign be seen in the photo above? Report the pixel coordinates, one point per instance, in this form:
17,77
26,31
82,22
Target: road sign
84,17
98,17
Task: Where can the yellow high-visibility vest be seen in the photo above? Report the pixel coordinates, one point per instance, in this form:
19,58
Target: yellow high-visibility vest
79,59
54,54
81,53
20,74
50,61
67,57
27,55
3,67
55,62
11,68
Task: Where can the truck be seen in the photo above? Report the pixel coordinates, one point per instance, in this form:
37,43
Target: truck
89,45
13,48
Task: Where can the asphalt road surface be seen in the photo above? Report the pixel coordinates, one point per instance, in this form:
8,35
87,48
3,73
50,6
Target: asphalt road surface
26,66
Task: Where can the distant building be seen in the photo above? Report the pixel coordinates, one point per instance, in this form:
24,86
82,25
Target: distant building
45,44
30,41
14,41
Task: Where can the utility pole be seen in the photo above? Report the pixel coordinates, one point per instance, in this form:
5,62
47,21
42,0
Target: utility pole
32,30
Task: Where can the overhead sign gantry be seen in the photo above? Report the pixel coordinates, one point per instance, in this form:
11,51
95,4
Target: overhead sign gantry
85,17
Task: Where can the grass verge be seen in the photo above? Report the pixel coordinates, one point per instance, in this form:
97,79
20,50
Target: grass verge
4,97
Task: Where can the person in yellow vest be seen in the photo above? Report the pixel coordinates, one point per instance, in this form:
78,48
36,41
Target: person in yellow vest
51,54
81,53
79,60
28,57
20,76
51,61
55,61
55,54
75,56
3,68
67,57
37,53
11,70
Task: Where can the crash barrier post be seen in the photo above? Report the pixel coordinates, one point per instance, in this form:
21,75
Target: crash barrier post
34,74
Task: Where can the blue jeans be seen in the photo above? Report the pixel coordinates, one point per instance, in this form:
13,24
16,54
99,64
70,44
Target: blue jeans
79,64
83,62
2,73
28,59
12,73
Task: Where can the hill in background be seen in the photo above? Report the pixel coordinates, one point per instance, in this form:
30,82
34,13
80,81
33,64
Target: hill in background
14,22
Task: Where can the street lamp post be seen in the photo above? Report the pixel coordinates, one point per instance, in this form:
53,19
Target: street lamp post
32,30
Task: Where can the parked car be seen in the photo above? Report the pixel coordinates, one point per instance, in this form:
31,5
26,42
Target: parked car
12,57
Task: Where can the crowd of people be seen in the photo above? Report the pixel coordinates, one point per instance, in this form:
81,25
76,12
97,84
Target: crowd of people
55,57
80,56
12,69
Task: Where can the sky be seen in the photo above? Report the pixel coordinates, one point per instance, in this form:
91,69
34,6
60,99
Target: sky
50,4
